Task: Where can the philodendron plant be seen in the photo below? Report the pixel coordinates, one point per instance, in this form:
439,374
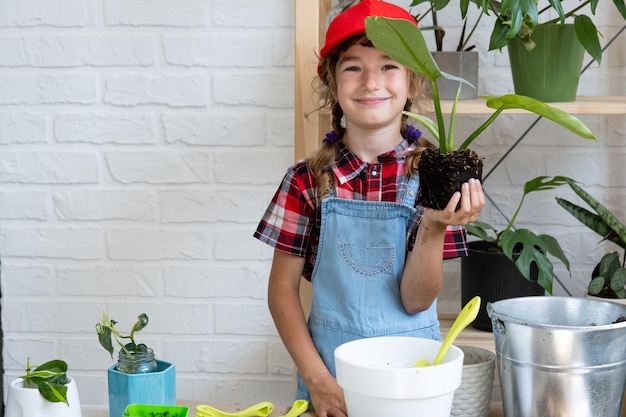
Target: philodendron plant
609,277
107,332
403,42
50,379
523,246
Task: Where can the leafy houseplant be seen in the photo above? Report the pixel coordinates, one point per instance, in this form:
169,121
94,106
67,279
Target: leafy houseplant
546,55
461,61
403,41
137,377
609,276
50,379
530,247
107,332
44,390
439,31
520,18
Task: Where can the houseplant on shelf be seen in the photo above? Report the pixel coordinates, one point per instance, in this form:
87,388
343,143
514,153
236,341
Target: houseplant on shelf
137,377
44,390
545,53
510,262
608,279
462,61
443,171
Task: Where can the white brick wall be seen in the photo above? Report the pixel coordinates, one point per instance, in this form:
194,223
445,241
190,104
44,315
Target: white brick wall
141,142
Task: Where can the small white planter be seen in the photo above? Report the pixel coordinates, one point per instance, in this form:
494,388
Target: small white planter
378,377
27,402
473,397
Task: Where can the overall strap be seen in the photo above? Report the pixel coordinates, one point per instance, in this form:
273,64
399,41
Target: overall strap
412,187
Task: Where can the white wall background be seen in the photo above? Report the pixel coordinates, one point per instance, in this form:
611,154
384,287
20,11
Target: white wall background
140,143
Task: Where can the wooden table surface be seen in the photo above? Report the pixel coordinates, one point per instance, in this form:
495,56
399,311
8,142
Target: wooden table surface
494,411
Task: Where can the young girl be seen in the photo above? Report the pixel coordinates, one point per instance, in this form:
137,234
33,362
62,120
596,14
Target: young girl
348,221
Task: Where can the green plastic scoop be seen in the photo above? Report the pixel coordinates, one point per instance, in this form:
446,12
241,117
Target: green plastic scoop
466,316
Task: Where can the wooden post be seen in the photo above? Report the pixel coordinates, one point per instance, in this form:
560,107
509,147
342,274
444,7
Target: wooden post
310,29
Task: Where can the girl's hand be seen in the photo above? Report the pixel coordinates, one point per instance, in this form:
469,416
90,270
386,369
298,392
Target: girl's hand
327,398
471,201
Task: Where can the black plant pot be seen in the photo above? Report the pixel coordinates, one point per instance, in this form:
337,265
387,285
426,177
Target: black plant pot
493,277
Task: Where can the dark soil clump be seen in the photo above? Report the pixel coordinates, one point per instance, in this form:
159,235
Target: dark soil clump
441,175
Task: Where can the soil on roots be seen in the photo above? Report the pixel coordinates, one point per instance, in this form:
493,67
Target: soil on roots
441,175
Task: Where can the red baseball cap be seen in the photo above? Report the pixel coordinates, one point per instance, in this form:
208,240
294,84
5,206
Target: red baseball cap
352,21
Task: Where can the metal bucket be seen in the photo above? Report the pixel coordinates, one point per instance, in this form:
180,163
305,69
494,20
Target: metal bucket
560,356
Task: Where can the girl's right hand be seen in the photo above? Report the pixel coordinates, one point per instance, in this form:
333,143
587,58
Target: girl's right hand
327,398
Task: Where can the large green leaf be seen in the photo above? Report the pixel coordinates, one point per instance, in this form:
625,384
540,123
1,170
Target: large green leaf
568,121
587,34
533,249
403,42
498,38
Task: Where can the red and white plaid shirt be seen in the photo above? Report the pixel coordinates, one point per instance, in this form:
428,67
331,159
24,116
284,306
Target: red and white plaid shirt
292,221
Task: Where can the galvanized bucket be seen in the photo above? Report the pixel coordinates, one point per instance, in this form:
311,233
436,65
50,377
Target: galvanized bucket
560,356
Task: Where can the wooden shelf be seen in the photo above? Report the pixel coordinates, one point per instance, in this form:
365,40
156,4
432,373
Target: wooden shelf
582,105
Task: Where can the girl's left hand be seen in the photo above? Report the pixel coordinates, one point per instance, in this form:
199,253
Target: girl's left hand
470,200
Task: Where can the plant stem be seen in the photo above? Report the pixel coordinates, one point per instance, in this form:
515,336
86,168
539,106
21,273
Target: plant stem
439,113
465,40
481,128
508,226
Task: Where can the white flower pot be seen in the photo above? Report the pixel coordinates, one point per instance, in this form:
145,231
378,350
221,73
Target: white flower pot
27,402
379,380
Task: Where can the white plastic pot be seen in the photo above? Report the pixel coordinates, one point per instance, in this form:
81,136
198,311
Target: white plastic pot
378,377
28,402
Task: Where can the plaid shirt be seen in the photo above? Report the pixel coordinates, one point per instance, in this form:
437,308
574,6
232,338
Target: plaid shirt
292,221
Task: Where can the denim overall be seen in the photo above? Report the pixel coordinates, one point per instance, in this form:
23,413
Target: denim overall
357,274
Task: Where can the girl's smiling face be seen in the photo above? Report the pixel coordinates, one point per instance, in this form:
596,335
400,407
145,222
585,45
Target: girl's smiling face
372,89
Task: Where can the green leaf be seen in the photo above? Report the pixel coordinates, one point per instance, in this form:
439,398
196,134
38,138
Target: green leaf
558,116
608,265
534,248
427,122
587,34
105,338
481,230
498,39
591,220
618,280
595,286
608,217
54,393
519,12
538,183
142,321
403,42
